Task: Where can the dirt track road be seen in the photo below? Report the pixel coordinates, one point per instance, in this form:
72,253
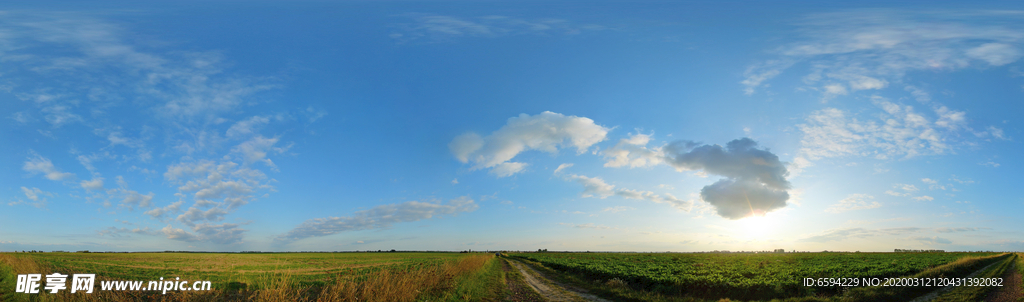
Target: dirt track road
549,289
936,293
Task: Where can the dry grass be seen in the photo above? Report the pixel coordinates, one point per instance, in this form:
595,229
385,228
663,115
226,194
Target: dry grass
21,265
387,285
408,284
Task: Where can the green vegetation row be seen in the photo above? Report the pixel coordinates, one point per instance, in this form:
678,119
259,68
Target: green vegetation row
740,276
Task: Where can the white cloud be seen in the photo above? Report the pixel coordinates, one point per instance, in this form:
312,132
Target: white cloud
158,213
382,216
37,164
996,132
129,198
929,181
958,230
906,187
95,184
562,167
996,54
932,240
256,149
632,151
854,202
950,119
312,115
616,209
833,90
898,132
217,189
37,197
757,74
545,132
919,94
587,226
923,198
894,193
178,234
186,84
593,186
59,115
848,233
116,232
990,164
455,181
247,127
597,187
869,49
507,169
440,28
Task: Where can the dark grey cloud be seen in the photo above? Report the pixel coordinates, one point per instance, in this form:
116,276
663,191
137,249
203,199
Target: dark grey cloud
735,199
739,159
755,181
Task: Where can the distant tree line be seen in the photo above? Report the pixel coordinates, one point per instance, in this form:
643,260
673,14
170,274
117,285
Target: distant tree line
918,251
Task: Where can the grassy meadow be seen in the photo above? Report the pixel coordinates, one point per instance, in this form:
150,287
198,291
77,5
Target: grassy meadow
269,276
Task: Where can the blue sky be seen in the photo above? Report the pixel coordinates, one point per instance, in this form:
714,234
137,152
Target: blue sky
292,126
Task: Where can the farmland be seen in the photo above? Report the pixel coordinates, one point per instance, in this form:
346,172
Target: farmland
268,276
743,276
483,277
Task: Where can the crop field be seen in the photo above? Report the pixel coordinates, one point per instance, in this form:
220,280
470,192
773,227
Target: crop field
483,277
262,276
746,276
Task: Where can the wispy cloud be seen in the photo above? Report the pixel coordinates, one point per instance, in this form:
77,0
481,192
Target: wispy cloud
587,226
36,196
382,216
597,187
37,164
896,131
617,209
121,232
931,240
957,230
854,202
869,49
843,234
442,28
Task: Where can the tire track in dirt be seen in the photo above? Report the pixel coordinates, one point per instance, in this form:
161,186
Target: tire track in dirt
551,290
936,293
519,290
1011,289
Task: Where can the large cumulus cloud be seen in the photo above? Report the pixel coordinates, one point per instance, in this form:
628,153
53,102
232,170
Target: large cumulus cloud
755,180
